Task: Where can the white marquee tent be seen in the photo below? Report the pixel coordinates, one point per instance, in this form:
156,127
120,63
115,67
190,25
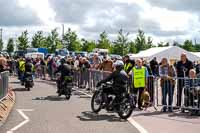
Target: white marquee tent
196,53
170,52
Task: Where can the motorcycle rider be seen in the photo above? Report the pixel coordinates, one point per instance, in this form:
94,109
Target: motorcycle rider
120,80
28,71
65,70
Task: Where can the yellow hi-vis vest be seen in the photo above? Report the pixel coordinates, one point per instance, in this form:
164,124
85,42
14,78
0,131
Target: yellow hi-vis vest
22,66
126,66
139,77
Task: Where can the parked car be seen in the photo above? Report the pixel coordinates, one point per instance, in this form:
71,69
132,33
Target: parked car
119,57
82,53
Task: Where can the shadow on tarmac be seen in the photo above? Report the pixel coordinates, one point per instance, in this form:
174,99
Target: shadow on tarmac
20,89
51,98
15,82
46,82
90,116
170,116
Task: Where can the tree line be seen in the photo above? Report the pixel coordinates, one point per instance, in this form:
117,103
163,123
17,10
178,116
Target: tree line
70,40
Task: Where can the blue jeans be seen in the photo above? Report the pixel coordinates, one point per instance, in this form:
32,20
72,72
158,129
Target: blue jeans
167,89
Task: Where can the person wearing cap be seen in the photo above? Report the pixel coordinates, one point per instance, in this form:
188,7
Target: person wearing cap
139,75
119,78
127,64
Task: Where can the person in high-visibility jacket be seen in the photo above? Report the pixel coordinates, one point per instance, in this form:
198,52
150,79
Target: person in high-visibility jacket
128,64
21,68
139,75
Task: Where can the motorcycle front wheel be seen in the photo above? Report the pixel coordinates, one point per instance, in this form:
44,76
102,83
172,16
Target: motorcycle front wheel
96,102
125,109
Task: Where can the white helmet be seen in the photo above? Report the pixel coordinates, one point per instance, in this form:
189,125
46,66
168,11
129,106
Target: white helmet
118,63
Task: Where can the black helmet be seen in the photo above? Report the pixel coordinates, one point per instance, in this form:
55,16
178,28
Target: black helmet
62,61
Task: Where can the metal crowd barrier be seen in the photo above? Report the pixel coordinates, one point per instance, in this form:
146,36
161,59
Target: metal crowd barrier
183,93
4,77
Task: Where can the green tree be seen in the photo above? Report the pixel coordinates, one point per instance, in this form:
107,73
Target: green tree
88,45
140,41
1,44
197,47
71,41
22,41
10,45
38,40
149,43
104,42
53,41
188,45
161,44
121,45
132,47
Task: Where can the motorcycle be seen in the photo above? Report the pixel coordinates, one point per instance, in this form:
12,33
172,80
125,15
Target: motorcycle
123,105
28,80
65,88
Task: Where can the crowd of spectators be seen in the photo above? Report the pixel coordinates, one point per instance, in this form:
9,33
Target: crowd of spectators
45,68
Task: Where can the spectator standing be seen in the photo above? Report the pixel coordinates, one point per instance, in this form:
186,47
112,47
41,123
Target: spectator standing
182,67
139,80
167,73
154,66
84,65
2,63
95,62
106,65
127,64
44,68
150,82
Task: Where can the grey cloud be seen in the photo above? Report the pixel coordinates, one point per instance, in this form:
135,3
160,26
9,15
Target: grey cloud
109,16
14,15
75,11
177,5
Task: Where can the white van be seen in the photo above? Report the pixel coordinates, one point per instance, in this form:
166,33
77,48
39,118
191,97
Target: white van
35,55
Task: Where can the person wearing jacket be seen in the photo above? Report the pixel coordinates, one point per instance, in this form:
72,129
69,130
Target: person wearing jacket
182,67
128,64
65,70
167,73
139,75
119,78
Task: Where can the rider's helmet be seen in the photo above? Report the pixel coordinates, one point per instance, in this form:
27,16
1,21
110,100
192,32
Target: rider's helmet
119,64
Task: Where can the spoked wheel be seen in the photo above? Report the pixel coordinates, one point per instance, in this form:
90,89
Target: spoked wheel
125,109
96,103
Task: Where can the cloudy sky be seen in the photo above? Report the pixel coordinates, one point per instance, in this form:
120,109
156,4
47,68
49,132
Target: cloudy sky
163,20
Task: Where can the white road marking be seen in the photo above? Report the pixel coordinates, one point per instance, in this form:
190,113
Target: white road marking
130,119
137,125
21,112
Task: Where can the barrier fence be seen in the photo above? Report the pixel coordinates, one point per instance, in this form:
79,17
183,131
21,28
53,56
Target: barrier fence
176,92
4,77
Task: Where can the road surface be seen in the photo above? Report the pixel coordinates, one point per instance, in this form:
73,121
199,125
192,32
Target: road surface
47,113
